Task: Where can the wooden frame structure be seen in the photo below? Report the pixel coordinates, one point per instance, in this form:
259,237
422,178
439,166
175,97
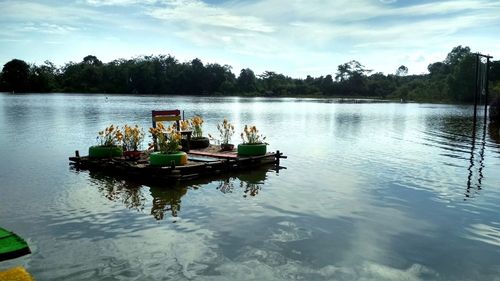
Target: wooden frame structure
479,84
162,116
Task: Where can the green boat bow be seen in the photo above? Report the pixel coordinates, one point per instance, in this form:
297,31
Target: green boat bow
12,246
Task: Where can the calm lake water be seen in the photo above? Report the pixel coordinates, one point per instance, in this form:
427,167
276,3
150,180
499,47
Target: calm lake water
380,191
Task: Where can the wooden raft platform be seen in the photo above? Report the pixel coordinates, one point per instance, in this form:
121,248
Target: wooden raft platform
201,163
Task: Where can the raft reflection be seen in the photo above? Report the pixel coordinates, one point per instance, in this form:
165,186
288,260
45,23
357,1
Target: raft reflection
165,199
131,194
250,182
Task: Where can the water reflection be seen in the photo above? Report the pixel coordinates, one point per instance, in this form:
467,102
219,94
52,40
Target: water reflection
455,141
249,189
475,178
348,124
494,132
450,133
127,192
166,199
252,181
373,192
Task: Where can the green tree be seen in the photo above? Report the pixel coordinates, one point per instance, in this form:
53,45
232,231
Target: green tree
438,69
379,85
495,70
352,78
15,75
457,54
43,78
350,69
246,81
461,81
327,85
91,60
402,71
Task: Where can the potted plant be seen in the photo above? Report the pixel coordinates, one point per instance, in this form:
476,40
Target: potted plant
197,138
132,141
109,141
226,131
168,141
185,130
253,143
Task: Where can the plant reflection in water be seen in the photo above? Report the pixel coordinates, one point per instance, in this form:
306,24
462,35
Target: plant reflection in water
250,182
167,199
129,193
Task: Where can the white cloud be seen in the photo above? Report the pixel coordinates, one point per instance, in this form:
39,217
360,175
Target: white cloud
118,2
22,11
48,28
448,7
192,12
318,25
285,36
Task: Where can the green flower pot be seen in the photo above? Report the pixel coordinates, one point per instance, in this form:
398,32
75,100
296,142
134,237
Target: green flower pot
105,151
252,149
162,159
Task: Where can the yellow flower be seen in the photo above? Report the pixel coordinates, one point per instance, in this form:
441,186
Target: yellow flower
184,124
160,126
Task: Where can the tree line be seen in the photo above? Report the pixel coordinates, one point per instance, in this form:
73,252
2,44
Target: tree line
451,80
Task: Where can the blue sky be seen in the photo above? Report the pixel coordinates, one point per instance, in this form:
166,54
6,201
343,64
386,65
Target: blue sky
293,37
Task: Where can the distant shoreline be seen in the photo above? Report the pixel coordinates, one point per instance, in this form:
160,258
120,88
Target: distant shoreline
333,99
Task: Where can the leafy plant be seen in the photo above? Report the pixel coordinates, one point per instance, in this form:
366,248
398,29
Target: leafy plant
168,139
250,135
196,124
226,131
110,136
184,124
133,137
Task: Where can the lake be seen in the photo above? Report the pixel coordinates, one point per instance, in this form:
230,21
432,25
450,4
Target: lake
371,191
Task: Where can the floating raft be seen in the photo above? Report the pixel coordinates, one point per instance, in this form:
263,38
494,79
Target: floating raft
201,163
11,245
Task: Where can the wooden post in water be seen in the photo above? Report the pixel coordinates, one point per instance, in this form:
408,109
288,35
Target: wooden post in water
480,75
486,90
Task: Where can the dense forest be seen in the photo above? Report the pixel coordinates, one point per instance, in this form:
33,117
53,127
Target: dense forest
451,80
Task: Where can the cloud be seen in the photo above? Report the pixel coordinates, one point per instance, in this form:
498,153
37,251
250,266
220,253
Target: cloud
198,13
22,11
317,25
284,36
448,8
48,28
99,3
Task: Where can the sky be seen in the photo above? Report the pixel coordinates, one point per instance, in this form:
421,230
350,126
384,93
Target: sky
293,37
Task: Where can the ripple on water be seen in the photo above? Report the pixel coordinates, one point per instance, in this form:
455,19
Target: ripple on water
485,233
372,192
